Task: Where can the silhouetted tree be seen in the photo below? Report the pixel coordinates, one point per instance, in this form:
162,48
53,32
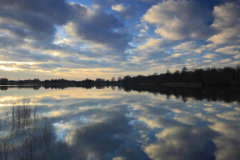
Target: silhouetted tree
36,80
3,81
99,80
210,76
119,78
113,79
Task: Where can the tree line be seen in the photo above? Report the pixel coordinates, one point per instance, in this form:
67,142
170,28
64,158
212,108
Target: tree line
227,76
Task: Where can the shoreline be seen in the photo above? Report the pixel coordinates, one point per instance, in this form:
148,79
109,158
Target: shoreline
170,84
182,84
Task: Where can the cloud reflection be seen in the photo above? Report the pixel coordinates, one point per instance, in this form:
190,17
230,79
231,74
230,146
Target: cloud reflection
113,124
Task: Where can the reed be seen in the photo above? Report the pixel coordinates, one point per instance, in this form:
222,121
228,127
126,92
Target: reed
26,136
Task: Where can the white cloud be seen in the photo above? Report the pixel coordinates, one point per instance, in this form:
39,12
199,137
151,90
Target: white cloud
170,142
207,61
2,67
118,7
210,56
189,47
176,55
232,115
227,36
230,50
226,16
152,51
227,23
237,56
176,20
156,44
185,46
235,63
225,60
143,31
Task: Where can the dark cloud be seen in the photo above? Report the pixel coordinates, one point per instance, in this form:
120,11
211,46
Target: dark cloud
206,3
107,3
9,42
150,1
100,28
104,138
23,55
129,12
50,66
26,21
58,11
104,35
33,22
37,20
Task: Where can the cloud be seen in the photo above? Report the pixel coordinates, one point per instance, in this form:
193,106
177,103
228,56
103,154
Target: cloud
155,44
227,36
130,12
150,123
118,7
225,60
207,61
171,144
191,46
10,42
33,19
28,33
99,28
117,36
107,3
26,25
176,55
152,52
108,126
177,20
59,13
232,115
126,12
226,16
229,139
37,20
210,56
227,24
229,50
24,54
237,56
150,1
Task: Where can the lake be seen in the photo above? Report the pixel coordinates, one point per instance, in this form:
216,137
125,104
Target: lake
119,124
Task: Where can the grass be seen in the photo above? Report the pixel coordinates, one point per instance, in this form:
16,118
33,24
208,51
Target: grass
24,135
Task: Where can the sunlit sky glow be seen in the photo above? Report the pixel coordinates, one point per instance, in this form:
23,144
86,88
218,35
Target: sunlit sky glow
78,39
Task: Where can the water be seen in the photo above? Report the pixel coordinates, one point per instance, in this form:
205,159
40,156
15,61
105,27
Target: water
111,123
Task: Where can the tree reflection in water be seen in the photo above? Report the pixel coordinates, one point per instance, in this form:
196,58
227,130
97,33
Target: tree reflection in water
107,124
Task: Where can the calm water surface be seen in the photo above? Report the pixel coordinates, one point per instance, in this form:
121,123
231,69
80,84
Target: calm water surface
113,124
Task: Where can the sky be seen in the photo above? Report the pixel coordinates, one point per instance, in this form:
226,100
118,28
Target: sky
79,39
